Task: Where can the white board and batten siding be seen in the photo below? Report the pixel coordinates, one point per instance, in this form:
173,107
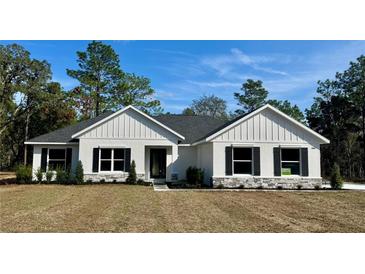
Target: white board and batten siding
129,129
266,129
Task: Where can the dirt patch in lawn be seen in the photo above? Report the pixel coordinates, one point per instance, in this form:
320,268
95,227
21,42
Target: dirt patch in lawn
124,208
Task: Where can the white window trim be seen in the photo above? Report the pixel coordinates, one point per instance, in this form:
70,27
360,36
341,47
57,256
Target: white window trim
112,161
245,161
300,162
48,159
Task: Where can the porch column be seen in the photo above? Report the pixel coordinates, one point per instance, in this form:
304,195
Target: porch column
174,152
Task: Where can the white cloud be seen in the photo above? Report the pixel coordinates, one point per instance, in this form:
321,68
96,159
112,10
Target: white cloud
225,64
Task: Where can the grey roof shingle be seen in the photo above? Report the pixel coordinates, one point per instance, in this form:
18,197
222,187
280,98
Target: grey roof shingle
192,128
63,135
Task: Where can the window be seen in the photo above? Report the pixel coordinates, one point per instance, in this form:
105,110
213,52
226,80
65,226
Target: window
290,161
56,159
112,159
242,160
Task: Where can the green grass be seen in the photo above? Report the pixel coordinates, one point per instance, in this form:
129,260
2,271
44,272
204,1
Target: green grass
127,208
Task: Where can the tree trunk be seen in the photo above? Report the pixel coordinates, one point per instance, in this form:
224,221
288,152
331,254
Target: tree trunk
26,137
97,105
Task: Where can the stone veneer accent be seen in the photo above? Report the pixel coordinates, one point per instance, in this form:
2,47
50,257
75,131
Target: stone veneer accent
97,177
270,183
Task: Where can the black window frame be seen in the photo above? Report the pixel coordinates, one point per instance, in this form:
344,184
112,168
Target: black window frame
299,162
242,161
112,160
51,168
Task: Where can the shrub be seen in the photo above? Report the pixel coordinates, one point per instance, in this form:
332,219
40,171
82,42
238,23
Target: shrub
260,187
89,181
195,176
220,186
279,187
142,182
79,173
241,186
132,177
49,176
62,176
336,179
102,181
317,187
39,175
299,187
23,174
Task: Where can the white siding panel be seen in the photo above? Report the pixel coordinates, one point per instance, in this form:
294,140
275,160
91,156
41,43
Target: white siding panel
129,125
266,126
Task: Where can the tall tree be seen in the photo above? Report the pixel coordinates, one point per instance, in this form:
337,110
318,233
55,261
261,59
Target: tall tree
104,86
338,113
98,74
137,91
253,95
211,105
289,109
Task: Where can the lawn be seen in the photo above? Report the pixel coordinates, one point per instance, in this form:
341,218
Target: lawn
123,208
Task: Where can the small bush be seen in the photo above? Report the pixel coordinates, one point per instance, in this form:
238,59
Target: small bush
195,176
89,181
62,176
102,181
299,187
241,186
317,187
23,174
336,179
79,173
279,187
260,187
39,175
132,177
49,176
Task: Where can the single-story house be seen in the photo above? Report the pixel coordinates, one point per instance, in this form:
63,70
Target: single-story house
263,148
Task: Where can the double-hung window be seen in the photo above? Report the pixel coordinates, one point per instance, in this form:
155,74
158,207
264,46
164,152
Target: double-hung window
242,160
290,161
112,159
56,159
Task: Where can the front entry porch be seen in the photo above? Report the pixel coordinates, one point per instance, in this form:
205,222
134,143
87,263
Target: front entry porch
159,162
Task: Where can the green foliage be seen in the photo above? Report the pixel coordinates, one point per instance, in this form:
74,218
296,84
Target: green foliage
132,177
286,107
194,175
23,174
49,176
338,113
104,86
336,179
40,106
79,173
252,96
39,175
62,176
211,106
188,112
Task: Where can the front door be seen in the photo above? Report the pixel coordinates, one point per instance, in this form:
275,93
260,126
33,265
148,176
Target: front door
158,163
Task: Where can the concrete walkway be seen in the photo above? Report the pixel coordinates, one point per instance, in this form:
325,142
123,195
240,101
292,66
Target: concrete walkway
346,185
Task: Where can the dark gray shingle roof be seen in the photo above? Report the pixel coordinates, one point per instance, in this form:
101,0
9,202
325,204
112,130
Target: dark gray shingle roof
63,135
192,128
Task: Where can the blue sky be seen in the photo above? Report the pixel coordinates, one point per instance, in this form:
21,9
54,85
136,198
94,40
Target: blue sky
181,71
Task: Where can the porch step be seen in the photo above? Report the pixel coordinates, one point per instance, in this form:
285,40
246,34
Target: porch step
160,187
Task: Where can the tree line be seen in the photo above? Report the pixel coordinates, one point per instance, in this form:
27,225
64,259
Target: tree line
32,104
